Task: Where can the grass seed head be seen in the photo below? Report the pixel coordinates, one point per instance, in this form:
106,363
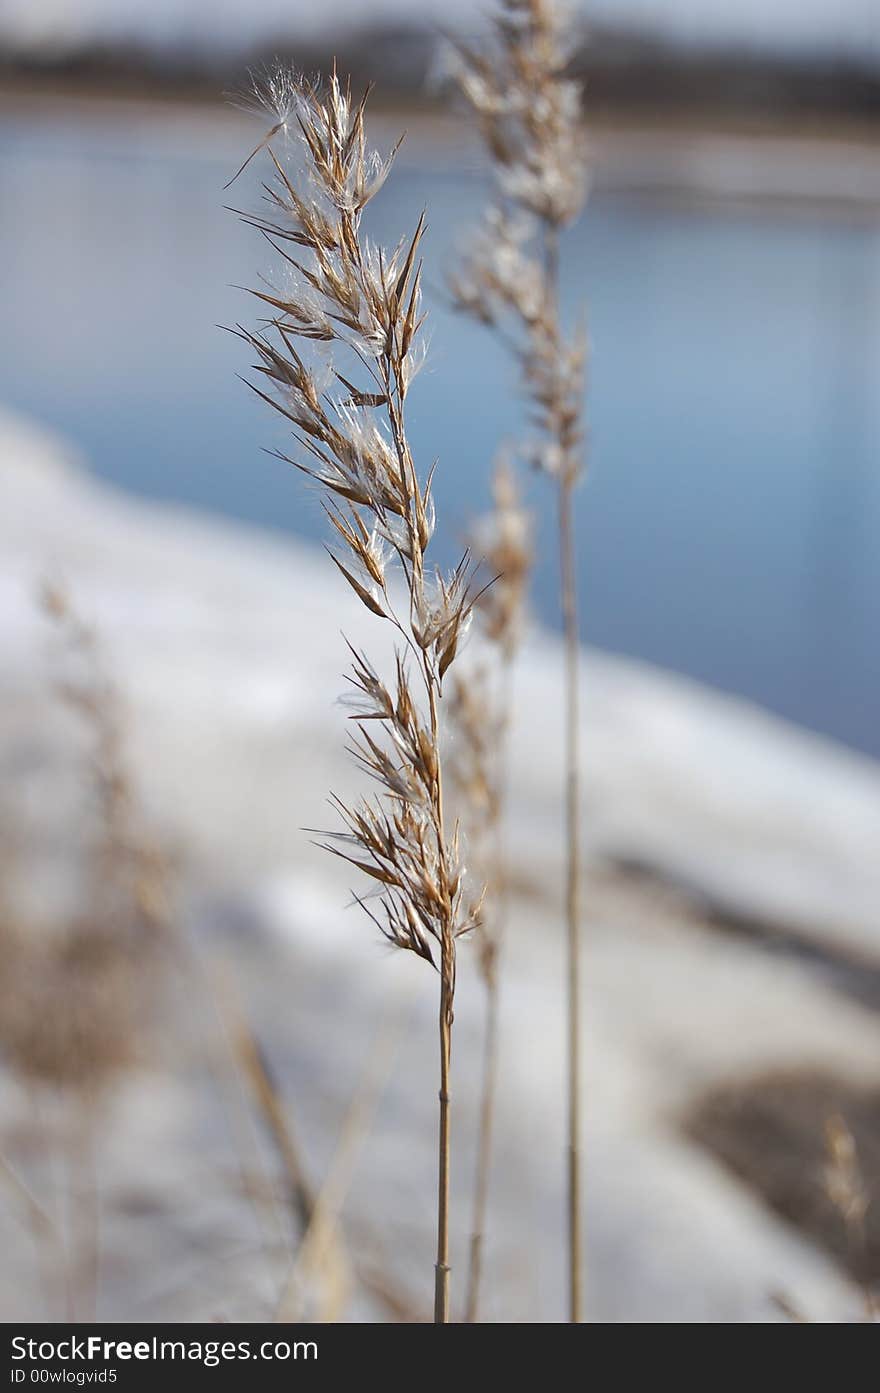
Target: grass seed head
361,303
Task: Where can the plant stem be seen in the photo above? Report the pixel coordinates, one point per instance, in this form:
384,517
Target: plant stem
493,981
447,944
447,990
484,1147
572,882
571,754
441,1282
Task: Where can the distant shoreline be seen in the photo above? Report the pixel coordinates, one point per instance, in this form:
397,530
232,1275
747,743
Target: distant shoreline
30,89
683,157
631,73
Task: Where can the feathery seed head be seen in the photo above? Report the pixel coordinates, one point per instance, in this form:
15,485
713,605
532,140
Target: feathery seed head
363,303
529,111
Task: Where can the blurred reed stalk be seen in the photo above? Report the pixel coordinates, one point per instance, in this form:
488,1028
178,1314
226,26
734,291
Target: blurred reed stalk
321,1256
529,113
358,305
480,720
330,1275
320,1234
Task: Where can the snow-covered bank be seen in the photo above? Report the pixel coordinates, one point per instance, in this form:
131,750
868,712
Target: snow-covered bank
227,648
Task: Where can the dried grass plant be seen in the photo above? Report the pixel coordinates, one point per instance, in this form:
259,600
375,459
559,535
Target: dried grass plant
75,998
78,993
480,718
529,113
358,308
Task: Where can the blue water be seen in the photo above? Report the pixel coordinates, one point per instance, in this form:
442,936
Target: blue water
729,527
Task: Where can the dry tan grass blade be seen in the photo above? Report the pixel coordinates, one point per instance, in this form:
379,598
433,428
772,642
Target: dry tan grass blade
320,1233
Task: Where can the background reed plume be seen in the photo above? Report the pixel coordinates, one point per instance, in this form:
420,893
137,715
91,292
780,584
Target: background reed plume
361,304
76,996
80,991
529,113
480,718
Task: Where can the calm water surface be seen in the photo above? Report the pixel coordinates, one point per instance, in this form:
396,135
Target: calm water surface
730,524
